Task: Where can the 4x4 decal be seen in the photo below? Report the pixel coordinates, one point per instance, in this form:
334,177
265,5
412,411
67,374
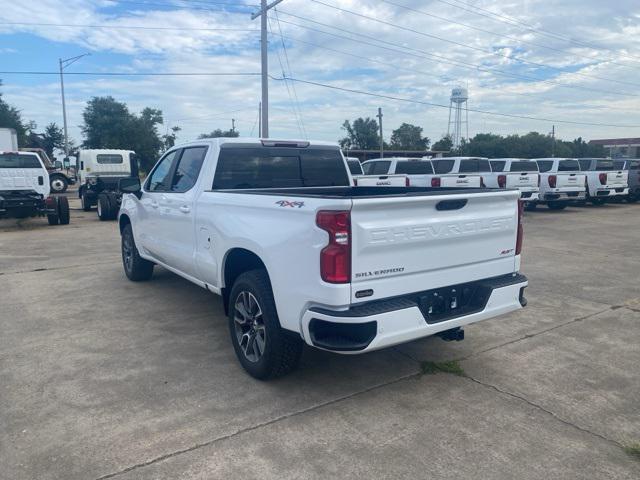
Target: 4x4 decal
287,203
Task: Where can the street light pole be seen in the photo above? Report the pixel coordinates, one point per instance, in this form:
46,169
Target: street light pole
264,53
64,64
381,138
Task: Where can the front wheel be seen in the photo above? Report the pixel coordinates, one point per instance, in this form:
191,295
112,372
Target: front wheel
104,208
264,349
85,202
136,268
58,184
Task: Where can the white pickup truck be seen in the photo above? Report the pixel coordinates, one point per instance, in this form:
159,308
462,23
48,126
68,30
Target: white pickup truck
517,173
460,172
300,255
606,179
561,182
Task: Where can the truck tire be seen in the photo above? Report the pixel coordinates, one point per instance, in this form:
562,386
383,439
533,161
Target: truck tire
530,206
263,347
104,208
52,204
596,201
136,268
557,205
58,184
86,203
62,205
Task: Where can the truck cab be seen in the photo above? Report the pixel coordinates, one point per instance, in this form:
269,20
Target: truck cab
561,182
98,173
605,179
59,181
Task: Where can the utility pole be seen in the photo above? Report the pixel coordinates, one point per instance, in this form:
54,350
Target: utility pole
553,141
264,53
260,120
64,64
233,124
381,139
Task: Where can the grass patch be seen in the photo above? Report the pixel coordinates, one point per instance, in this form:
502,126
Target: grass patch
633,449
452,366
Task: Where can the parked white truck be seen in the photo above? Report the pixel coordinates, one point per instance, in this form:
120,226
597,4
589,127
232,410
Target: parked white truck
517,173
300,255
561,183
606,179
460,172
414,172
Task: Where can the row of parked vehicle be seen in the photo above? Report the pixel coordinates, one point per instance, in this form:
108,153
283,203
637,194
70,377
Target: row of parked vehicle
555,182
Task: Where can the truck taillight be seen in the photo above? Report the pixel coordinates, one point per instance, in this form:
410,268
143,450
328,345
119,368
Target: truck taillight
520,228
502,181
552,181
603,178
435,182
335,258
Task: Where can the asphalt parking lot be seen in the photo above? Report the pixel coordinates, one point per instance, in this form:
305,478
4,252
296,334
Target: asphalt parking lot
103,378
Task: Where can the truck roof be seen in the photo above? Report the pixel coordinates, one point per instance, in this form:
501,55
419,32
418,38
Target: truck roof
260,141
103,150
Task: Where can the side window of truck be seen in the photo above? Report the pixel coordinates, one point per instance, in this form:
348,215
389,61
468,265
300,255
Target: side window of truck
158,179
188,169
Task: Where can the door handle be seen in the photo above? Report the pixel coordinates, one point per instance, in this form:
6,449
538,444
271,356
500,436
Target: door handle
185,209
155,204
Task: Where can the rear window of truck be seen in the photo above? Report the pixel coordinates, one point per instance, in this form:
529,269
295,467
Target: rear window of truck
497,165
442,166
605,166
267,167
354,167
376,168
12,160
414,167
109,158
568,166
545,165
474,165
523,166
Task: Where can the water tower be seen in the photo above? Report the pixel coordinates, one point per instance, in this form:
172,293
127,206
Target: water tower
459,97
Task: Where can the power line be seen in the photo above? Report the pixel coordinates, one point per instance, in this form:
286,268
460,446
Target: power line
513,21
190,5
431,56
293,85
136,74
128,27
465,45
515,39
431,104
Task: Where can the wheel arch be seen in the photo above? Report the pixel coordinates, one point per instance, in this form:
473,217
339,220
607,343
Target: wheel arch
123,221
236,262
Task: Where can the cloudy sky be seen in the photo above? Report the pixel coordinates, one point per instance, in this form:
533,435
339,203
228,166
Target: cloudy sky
553,61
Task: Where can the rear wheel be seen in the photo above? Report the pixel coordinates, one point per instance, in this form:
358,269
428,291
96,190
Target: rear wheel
136,268
557,205
597,201
104,208
264,349
86,203
52,204
62,205
530,206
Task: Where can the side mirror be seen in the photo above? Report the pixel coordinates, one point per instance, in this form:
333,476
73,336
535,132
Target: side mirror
130,185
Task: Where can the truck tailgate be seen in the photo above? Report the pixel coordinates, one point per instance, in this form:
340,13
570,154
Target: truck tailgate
409,244
617,179
463,181
566,180
522,180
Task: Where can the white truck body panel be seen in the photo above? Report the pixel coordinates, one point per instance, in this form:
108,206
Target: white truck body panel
451,171
8,140
400,243
399,167
16,177
380,180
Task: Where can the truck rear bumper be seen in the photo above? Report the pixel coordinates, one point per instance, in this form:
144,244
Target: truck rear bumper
385,323
564,196
611,191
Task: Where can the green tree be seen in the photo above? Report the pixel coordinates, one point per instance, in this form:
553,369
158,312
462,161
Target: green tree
52,138
218,133
409,137
361,135
10,117
109,124
445,144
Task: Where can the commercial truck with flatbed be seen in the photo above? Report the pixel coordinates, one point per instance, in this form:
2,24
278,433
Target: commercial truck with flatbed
302,256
